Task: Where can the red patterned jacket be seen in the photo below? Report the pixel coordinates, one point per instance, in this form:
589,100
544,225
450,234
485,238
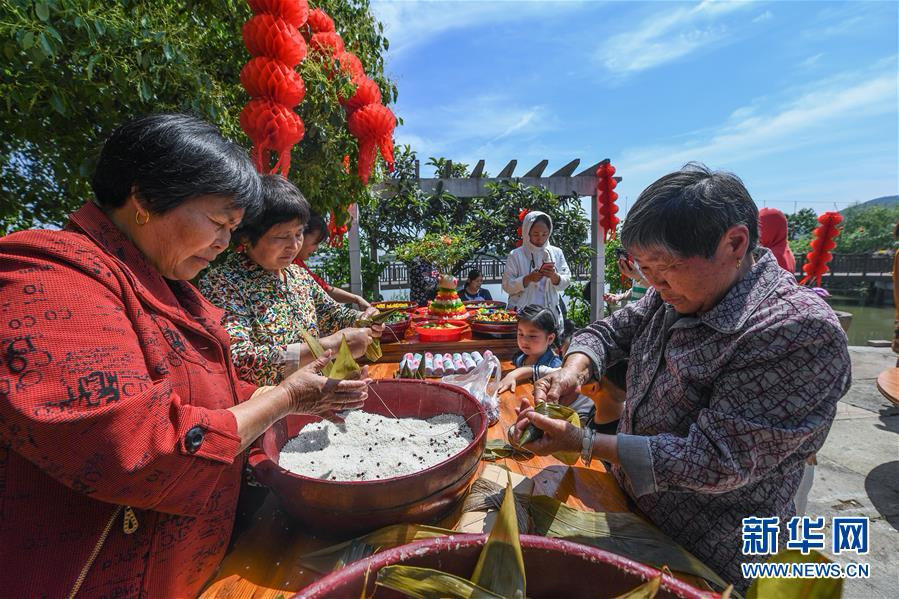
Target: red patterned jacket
114,389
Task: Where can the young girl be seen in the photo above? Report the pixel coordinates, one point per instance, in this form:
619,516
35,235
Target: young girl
536,341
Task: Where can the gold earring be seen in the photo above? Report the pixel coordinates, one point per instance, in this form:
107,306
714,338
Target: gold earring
739,262
137,218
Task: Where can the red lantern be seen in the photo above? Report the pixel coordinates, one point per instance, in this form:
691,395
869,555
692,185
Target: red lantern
326,42
605,198
821,244
319,21
265,35
351,65
272,127
367,92
372,125
337,228
265,77
292,11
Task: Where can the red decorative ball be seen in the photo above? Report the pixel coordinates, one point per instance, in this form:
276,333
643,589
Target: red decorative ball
351,65
293,12
319,21
265,77
272,127
265,35
326,42
372,125
367,92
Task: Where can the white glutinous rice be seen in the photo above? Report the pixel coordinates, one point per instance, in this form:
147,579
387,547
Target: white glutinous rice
374,447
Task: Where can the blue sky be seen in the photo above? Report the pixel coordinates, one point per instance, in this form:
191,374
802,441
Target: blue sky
797,98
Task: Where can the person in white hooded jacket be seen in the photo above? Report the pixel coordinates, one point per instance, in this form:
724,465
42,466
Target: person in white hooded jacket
536,272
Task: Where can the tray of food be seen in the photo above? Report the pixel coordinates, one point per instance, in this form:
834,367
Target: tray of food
496,322
394,305
395,327
480,304
441,331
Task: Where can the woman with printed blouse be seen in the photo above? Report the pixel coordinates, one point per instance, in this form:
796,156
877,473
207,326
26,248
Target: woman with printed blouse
733,377
269,302
123,424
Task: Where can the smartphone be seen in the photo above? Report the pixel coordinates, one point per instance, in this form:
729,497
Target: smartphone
621,254
549,264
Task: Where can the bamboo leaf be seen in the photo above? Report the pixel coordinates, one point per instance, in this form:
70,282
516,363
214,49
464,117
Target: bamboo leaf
373,352
344,364
497,449
337,556
647,590
500,566
787,588
427,583
552,410
318,351
623,533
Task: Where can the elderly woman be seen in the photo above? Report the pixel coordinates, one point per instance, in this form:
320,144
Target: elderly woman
269,302
734,372
537,272
122,421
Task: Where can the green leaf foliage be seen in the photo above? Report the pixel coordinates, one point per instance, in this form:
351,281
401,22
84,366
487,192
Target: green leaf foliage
73,70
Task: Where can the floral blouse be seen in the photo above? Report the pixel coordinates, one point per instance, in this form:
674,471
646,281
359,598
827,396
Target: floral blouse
265,314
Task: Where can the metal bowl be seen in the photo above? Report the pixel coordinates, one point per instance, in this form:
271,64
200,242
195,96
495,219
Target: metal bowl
355,507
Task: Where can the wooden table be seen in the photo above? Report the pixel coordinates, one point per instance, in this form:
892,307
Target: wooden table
888,384
264,561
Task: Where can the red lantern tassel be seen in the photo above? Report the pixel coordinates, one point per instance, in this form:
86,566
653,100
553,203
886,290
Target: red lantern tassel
823,242
605,198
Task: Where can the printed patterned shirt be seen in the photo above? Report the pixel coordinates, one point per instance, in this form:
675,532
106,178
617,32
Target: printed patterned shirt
264,314
722,409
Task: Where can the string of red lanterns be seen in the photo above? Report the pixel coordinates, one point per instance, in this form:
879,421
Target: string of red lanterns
823,241
605,198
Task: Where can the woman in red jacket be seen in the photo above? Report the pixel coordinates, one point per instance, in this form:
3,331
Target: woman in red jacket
122,421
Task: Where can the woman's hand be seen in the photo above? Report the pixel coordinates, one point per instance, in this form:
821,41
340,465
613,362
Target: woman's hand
533,277
358,339
561,384
311,393
558,435
369,310
376,330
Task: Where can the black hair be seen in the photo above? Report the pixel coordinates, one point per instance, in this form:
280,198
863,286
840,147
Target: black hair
687,212
318,226
473,274
540,317
168,159
282,202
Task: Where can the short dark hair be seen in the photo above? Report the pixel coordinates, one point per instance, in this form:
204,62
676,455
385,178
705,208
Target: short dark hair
282,202
168,159
540,317
473,274
687,212
317,225
542,219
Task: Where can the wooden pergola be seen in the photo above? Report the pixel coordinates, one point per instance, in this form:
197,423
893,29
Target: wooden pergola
562,182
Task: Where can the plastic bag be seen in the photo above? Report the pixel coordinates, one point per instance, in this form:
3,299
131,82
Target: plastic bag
476,382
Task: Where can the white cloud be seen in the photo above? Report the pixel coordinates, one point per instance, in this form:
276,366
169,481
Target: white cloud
765,16
668,35
751,132
811,61
410,23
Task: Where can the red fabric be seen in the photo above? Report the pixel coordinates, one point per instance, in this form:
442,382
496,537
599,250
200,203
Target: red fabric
104,367
773,235
321,282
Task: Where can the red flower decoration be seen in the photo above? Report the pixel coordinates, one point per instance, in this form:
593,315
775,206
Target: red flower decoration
605,198
319,21
821,244
326,42
274,128
265,77
372,125
521,215
346,163
265,35
367,92
294,12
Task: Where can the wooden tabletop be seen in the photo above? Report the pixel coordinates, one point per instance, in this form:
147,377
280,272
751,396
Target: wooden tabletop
264,561
888,384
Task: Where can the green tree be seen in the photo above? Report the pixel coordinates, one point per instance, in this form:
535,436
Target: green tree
75,69
868,229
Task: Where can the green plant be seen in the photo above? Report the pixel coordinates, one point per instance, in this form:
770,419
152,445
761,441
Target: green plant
78,68
446,251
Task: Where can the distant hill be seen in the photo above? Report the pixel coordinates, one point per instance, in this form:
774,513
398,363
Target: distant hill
888,201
